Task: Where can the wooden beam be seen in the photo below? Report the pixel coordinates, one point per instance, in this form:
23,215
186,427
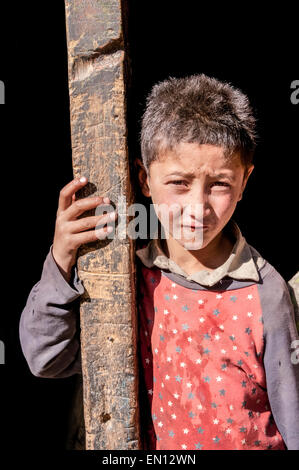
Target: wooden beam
97,88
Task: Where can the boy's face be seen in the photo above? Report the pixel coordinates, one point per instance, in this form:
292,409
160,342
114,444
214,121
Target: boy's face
202,183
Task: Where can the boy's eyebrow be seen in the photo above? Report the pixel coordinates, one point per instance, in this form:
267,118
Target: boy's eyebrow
180,173
191,175
223,175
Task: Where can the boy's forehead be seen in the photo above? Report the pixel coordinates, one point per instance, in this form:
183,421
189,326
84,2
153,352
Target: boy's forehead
192,157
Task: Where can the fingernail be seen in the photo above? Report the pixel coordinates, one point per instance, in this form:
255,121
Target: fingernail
112,215
83,179
106,199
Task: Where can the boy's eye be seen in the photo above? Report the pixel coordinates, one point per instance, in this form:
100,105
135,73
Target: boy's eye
185,183
221,183
177,182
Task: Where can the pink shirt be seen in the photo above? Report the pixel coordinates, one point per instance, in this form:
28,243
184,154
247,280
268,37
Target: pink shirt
202,354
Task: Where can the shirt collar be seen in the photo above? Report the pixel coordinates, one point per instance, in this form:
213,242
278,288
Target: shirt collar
240,265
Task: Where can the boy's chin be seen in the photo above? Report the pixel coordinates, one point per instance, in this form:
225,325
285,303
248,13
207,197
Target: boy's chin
192,244
189,246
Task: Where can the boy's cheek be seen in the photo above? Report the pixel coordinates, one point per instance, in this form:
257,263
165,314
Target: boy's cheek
167,207
224,210
160,196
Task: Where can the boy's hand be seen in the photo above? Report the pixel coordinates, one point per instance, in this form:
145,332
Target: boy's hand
71,232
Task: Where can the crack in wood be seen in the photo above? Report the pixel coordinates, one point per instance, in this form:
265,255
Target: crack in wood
83,63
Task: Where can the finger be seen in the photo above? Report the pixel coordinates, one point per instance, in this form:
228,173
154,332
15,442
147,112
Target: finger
88,223
67,192
92,235
102,233
82,205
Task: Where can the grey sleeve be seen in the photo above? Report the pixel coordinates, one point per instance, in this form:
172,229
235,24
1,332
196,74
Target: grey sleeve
48,329
281,356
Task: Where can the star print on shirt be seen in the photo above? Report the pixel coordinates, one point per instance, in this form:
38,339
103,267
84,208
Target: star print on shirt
229,347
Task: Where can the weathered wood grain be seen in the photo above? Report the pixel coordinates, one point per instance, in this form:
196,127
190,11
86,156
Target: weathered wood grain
97,90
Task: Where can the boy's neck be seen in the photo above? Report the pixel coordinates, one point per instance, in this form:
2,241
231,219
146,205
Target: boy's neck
208,258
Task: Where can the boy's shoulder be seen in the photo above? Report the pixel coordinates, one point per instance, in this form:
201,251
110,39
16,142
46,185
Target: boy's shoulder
269,275
274,293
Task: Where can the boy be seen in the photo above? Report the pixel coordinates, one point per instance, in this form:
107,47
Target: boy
216,319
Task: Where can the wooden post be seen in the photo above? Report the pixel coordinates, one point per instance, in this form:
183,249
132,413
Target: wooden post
97,70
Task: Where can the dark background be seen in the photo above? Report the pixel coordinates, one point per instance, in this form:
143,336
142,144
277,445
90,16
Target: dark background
253,49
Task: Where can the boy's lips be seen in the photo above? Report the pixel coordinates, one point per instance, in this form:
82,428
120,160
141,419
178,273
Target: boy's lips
195,226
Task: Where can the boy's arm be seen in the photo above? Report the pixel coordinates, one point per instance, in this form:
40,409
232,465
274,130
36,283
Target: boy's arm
280,357
48,326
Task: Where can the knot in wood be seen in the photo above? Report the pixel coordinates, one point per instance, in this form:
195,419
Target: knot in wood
105,417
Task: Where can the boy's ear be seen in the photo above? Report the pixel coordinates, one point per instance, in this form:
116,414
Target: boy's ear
142,177
245,179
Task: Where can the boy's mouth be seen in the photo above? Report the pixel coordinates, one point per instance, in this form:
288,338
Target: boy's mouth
195,227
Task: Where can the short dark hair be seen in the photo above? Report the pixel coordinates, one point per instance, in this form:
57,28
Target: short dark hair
197,109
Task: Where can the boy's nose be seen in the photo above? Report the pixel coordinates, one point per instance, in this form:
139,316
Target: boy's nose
198,196
195,213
